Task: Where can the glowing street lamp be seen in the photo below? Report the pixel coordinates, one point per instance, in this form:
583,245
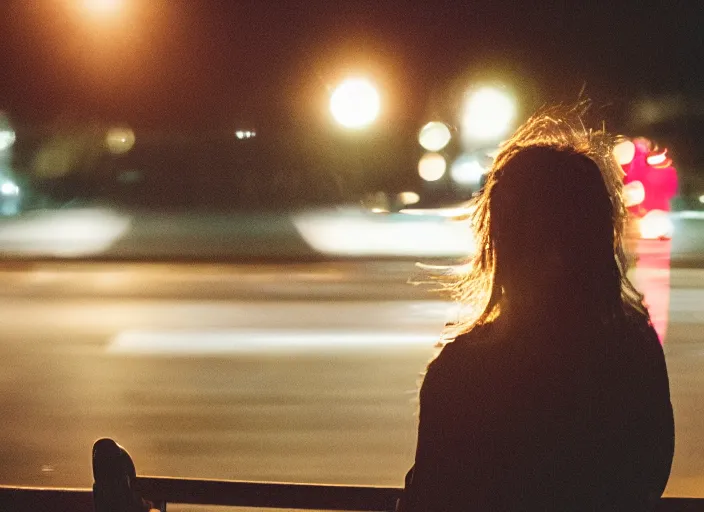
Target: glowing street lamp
487,115
355,103
103,7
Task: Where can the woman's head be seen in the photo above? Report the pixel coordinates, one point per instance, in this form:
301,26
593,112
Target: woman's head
552,226
549,224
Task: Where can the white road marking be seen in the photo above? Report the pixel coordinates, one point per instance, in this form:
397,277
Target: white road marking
360,233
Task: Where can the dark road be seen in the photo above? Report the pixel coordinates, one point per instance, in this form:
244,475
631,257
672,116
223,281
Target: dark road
287,373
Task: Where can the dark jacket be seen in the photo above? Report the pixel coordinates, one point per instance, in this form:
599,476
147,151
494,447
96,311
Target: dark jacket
545,418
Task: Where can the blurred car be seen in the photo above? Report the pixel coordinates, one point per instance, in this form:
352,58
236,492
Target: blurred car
650,185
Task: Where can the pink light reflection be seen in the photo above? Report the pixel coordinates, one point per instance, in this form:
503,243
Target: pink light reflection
652,278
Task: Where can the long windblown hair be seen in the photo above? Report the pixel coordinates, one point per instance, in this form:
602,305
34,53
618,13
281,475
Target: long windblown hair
475,286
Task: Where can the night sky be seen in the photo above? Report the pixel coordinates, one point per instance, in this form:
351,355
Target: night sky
209,62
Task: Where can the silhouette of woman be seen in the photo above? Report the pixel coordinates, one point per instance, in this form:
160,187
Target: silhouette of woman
553,393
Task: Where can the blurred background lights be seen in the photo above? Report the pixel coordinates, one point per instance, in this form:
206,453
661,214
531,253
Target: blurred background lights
658,159
408,198
624,152
701,198
633,193
656,224
488,114
467,171
434,136
432,166
119,140
355,103
7,138
242,134
9,189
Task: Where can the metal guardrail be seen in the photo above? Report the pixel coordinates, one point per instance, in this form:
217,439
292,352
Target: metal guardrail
163,491
118,489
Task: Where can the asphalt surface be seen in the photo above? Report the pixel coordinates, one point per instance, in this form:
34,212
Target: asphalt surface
301,373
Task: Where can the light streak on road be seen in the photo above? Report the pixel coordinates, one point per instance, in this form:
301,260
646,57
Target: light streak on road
262,341
357,234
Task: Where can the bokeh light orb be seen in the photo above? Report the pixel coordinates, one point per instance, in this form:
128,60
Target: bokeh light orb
408,198
467,171
355,103
624,152
633,193
7,138
8,188
434,136
119,140
656,224
7,134
488,114
432,166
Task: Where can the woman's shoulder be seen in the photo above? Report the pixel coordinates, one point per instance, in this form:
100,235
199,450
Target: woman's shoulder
641,344
464,352
638,320
478,339
461,369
